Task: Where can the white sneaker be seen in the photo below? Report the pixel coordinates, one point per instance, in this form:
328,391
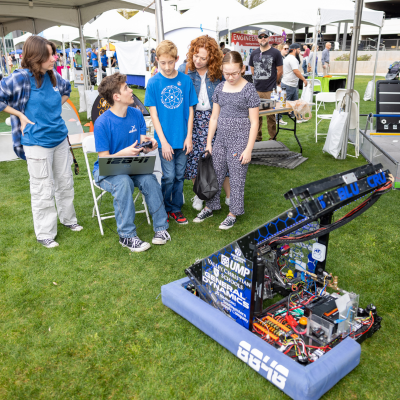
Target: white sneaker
161,237
206,213
197,203
134,244
300,121
227,201
49,243
228,222
282,122
74,227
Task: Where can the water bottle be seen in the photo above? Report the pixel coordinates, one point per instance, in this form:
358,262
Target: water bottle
273,95
283,98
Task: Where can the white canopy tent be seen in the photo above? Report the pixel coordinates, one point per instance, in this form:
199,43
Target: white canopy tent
61,12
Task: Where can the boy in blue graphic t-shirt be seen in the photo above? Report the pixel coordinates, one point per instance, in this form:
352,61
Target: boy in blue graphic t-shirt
117,133
171,97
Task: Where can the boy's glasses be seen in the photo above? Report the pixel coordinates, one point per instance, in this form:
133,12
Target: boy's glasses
233,74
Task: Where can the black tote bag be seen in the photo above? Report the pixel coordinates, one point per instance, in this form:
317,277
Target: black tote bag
206,184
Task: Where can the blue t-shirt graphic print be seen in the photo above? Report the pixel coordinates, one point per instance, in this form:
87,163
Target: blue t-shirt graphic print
172,98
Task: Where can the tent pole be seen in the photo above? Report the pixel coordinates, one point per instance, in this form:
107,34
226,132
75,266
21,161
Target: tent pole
65,55
70,58
376,63
109,58
338,33
293,34
83,50
217,31
159,21
315,40
2,67
229,32
100,70
34,26
148,46
5,49
358,6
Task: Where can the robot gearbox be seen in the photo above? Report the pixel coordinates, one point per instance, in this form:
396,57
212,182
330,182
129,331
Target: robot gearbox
272,284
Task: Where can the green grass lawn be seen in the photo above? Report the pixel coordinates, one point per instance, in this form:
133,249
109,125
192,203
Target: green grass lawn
85,320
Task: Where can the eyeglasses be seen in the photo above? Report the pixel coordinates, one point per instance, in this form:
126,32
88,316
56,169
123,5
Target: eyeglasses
233,74
263,37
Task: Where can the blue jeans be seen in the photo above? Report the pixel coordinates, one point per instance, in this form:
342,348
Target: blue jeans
172,180
292,93
121,187
304,66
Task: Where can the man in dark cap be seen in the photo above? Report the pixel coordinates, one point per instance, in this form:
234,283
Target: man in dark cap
292,74
266,67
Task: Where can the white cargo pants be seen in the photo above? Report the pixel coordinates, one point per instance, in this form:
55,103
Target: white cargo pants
50,176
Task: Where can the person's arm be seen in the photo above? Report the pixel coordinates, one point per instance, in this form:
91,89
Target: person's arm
188,143
129,151
144,138
245,157
300,76
212,127
22,117
252,70
167,150
279,73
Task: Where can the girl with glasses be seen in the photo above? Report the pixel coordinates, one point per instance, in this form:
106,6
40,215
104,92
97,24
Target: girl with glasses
235,112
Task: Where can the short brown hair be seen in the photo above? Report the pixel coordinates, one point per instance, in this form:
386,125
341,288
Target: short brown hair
167,47
233,57
34,54
111,85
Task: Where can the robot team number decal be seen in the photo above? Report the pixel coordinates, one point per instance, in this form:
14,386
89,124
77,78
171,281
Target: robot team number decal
130,160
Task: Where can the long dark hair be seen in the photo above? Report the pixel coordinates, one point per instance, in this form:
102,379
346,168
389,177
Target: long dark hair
233,57
34,54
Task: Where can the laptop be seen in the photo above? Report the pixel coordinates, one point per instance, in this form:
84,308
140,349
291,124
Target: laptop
126,165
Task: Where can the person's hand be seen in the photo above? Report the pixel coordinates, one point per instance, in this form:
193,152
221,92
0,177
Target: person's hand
167,151
153,142
131,151
245,157
324,66
24,122
188,145
209,149
305,83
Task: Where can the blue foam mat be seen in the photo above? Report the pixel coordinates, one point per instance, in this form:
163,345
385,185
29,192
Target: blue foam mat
297,381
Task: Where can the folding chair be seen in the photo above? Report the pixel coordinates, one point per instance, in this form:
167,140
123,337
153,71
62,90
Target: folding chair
354,118
88,147
324,97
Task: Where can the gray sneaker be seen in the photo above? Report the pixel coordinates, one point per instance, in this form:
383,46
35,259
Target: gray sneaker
205,213
134,244
228,222
74,227
48,243
161,237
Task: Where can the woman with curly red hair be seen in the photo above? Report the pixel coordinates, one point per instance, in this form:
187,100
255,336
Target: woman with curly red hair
204,67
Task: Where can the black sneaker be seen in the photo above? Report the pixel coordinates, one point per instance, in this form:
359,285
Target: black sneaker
205,213
74,227
134,244
49,243
228,222
179,218
161,237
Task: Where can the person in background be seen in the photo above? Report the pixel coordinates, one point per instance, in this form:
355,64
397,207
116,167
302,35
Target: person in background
235,111
204,69
284,49
310,60
325,58
104,60
152,56
61,59
3,61
283,34
34,96
225,51
154,70
115,60
275,45
222,46
171,96
14,59
89,58
305,56
95,61
10,62
78,59
266,68
291,74
182,67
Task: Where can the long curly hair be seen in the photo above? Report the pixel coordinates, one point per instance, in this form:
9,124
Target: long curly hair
34,53
214,53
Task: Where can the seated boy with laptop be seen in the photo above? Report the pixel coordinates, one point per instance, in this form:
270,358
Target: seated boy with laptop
117,132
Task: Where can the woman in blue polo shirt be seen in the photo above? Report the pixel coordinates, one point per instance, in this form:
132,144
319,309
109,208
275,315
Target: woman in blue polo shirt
95,62
34,96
